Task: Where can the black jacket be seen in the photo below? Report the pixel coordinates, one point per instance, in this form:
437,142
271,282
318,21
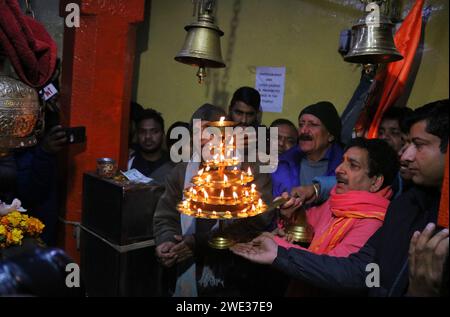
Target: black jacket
388,248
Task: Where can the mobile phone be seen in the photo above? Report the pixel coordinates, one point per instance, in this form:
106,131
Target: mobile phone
75,135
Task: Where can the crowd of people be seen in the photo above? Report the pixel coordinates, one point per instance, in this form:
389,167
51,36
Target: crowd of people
371,203
367,202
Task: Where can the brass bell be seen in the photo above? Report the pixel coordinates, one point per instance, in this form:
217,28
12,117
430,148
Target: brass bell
202,44
372,40
19,113
298,228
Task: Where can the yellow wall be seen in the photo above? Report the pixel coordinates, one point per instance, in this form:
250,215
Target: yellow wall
301,35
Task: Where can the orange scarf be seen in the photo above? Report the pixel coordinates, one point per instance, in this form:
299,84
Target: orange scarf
346,209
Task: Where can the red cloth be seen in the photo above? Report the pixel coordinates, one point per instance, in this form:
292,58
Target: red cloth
344,223
443,208
406,40
27,44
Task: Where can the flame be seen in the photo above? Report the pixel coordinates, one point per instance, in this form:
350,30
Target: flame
227,214
260,203
235,196
206,195
225,179
249,172
200,172
253,189
242,179
222,158
208,168
222,194
208,178
222,119
194,192
253,208
246,193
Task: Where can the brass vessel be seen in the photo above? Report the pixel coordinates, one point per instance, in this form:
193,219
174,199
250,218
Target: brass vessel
298,228
19,112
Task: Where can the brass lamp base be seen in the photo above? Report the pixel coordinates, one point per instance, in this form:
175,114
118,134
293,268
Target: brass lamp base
220,243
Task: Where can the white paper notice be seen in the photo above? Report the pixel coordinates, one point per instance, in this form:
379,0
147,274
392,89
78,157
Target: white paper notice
270,84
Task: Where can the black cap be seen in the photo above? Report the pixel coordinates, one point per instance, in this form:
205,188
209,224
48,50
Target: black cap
328,115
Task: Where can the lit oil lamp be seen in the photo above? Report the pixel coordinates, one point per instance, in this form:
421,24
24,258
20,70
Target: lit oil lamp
199,212
200,172
249,172
253,210
205,195
253,189
242,213
208,179
225,180
227,215
235,196
242,179
214,215
260,204
222,195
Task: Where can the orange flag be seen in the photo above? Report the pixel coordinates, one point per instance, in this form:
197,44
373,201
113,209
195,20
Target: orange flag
406,40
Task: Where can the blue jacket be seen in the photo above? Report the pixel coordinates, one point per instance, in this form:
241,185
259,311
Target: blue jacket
37,188
287,175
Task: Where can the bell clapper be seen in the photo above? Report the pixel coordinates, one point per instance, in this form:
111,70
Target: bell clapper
201,74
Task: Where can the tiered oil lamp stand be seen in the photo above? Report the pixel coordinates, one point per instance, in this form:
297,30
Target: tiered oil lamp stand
222,191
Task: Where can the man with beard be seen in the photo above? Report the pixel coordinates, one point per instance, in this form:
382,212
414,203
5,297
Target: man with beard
245,107
150,159
318,152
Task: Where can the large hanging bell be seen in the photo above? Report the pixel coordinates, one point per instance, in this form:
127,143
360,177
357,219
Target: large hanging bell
19,112
372,41
202,45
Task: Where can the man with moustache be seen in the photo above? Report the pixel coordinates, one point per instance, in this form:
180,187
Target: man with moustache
150,158
318,153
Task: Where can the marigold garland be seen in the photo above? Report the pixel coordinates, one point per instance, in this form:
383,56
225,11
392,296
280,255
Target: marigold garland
15,226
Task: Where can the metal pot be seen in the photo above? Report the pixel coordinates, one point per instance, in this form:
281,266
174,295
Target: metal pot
19,112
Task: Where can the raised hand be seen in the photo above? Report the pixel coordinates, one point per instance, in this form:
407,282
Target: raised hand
427,255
